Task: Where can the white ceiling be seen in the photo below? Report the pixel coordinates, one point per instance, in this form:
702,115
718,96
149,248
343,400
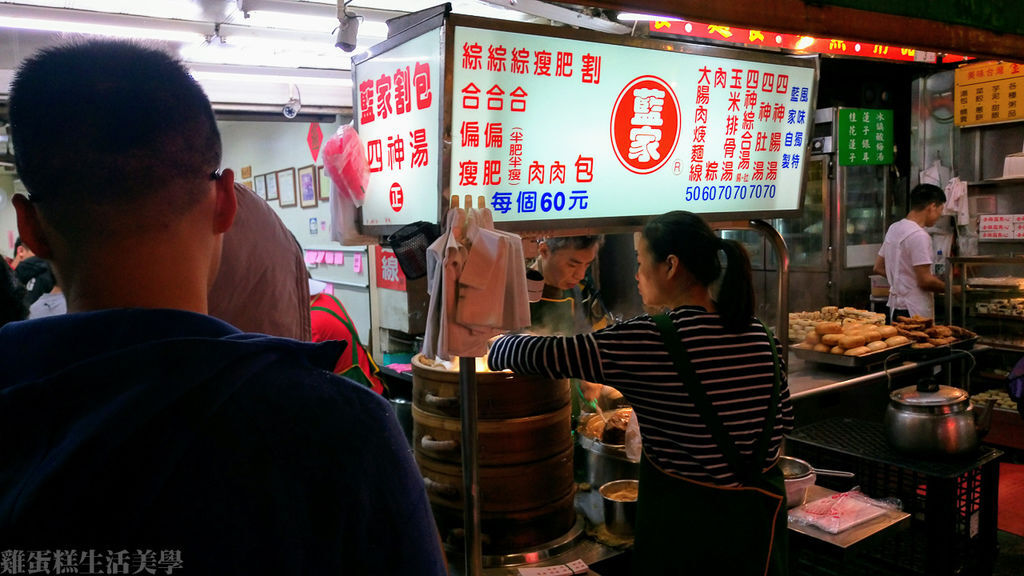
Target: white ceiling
248,54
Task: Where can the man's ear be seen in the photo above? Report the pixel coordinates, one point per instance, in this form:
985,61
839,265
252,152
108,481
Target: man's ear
227,202
543,251
30,228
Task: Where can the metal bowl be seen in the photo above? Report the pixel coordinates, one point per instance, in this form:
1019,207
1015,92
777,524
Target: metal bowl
620,506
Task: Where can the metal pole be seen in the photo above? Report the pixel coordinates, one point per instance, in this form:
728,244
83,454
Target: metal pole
470,472
782,253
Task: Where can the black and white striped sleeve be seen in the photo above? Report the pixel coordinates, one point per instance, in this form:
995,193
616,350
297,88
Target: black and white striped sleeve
550,356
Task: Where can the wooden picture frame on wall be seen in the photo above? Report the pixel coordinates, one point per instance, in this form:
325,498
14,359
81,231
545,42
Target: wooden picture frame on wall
325,184
286,187
271,186
260,185
307,186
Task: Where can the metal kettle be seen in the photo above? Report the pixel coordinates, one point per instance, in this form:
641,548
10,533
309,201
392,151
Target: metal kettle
930,419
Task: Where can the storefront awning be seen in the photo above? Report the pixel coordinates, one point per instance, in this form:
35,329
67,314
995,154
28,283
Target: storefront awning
986,29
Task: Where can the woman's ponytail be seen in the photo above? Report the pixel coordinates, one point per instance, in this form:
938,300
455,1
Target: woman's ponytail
736,292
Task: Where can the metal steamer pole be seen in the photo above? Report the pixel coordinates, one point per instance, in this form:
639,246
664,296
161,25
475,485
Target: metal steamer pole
470,460
470,471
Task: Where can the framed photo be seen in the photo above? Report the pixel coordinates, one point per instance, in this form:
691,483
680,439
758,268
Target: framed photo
325,184
247,184
271,178
286,187
246,172
307,186
260,185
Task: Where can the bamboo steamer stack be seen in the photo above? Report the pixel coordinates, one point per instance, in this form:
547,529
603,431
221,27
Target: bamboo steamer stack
525,455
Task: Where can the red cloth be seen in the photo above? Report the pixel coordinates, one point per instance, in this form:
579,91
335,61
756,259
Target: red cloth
330,321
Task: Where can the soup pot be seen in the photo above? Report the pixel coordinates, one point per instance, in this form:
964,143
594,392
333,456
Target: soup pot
930,419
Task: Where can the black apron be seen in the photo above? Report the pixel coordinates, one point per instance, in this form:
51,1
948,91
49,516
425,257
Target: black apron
689,527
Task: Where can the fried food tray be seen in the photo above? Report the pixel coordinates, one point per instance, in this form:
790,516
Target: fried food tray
869,359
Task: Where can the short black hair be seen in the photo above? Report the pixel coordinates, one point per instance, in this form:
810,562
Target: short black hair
108,124
924,194
556,243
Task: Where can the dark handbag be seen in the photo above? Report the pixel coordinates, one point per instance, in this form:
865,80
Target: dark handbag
696,528
410,244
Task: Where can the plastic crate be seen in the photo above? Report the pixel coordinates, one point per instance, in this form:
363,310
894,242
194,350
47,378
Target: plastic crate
953,503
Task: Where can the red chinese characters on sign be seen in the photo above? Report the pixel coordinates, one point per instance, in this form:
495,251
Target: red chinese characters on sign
494,98
396,147
515,155
523,61
775,40
396,197
389,273
645,124
395,94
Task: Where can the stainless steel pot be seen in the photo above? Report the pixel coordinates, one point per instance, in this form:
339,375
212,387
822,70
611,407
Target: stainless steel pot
934,420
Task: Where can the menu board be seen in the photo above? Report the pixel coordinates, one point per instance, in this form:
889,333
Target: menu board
988,93
398,115
551,129
865,136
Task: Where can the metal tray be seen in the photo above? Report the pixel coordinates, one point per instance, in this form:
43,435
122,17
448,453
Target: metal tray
848,361
926,353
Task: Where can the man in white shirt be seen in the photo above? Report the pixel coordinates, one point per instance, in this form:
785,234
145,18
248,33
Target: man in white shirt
906,256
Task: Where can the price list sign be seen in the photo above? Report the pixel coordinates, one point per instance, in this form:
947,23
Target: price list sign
988,93
561,129
865,136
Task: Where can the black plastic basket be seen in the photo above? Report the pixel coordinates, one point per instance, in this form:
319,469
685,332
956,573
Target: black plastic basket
410,244
952,503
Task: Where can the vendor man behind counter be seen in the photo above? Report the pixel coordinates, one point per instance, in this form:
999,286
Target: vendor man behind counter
568,305
906,256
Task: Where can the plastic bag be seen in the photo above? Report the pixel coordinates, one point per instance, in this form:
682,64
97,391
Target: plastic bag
841,511
634,445
345,162
345,227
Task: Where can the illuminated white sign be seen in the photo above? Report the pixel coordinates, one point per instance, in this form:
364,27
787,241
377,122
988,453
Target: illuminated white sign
397,114
556,129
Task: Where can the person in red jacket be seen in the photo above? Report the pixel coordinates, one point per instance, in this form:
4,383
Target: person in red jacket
330,321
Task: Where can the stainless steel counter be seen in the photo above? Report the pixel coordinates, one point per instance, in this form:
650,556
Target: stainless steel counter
807,379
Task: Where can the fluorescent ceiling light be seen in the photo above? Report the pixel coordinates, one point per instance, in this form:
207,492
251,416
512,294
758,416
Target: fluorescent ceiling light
637,17
96,29
272,76
271,19
153,8
306,23
330,58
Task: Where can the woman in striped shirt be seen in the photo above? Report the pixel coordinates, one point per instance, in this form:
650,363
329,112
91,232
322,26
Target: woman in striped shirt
709,474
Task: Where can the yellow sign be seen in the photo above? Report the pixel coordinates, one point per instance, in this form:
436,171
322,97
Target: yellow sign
989,93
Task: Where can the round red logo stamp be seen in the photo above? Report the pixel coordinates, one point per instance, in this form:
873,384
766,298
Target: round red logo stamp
645,124
397,197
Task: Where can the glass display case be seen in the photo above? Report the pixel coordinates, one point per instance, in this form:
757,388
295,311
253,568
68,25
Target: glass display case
985,294
834,242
